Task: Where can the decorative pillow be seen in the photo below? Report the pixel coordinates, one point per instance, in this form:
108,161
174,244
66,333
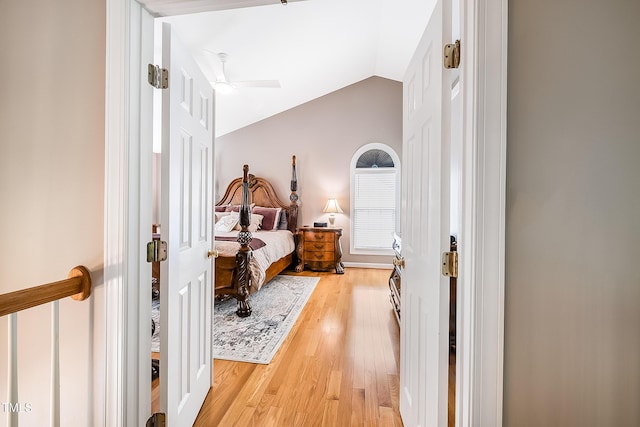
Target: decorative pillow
222,208
283,224
271,216
236,208
256,221
219,215
226,223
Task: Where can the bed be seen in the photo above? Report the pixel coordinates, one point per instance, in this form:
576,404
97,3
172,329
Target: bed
249,258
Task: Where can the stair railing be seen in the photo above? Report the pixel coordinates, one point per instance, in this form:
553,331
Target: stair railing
76,286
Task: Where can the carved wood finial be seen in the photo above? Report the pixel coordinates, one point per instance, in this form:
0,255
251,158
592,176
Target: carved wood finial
293,197
245,214
294,178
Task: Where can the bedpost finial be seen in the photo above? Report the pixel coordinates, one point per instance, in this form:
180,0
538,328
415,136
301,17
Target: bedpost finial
294,180
245,170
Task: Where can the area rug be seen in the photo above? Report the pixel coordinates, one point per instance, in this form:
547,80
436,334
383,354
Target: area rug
155,325
257,338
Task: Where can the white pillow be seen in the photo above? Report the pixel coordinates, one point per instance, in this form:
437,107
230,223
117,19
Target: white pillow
219,215
256,221
226,223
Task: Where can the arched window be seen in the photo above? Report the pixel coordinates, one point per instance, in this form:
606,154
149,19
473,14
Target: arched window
375,199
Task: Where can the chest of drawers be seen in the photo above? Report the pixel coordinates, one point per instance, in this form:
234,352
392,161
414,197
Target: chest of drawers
319,249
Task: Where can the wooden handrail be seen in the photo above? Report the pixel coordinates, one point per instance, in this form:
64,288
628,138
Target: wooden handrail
77,286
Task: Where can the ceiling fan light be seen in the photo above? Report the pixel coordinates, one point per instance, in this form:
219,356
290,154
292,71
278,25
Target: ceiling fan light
223,87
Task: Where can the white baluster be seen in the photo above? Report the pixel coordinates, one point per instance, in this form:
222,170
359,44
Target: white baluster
55,364
12,392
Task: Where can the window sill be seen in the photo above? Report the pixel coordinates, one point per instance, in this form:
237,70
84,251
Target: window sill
379,252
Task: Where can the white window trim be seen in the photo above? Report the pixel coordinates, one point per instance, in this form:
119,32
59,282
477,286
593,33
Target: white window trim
354,160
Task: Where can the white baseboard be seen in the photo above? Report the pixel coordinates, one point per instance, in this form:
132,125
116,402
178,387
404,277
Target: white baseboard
368,265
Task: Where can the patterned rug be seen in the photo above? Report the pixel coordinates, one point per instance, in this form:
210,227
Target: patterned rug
155,325
257,338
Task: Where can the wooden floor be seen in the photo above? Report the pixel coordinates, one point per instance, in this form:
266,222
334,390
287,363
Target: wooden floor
339,366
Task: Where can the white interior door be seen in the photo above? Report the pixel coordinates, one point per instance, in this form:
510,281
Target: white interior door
187,206
425,228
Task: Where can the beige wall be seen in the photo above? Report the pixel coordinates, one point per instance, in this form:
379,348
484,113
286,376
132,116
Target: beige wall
324,134
51,188
572,321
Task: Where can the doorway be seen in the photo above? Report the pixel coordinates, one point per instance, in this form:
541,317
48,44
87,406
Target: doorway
483,185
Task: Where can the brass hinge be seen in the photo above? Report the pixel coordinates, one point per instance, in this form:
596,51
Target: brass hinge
158,77
398,262
452,55
157,420
156,251
450,264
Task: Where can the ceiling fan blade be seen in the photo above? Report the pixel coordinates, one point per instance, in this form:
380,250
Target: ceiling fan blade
224,84
256,83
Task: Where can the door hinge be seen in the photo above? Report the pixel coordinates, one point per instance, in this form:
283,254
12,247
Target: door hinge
157,420
452,55
158,77
450,264
156,251
398,262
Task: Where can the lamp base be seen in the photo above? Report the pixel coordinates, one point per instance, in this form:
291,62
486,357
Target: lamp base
332,220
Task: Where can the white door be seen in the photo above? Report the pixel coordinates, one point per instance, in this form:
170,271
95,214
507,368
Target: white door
186,206
425,229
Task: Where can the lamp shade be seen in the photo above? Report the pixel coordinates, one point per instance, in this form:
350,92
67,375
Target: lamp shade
332,206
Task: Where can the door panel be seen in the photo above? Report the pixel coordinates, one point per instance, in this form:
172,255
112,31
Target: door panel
187,206
425,229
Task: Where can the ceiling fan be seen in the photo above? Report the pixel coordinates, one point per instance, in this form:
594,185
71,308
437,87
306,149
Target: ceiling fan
224,85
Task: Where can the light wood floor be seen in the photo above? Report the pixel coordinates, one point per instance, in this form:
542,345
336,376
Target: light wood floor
339,365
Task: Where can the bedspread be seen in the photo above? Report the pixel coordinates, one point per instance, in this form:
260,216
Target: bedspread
278,243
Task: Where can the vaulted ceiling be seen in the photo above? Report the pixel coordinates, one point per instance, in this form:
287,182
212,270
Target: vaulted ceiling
312,47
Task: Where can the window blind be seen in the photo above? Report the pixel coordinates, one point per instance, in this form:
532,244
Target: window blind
374,208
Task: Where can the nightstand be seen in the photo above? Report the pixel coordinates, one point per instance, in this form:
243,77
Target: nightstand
319,249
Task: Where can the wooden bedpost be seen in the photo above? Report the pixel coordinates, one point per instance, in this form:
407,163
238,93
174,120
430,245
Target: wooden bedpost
293,198
243,257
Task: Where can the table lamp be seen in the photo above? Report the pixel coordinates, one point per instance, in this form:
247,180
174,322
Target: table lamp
332,208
